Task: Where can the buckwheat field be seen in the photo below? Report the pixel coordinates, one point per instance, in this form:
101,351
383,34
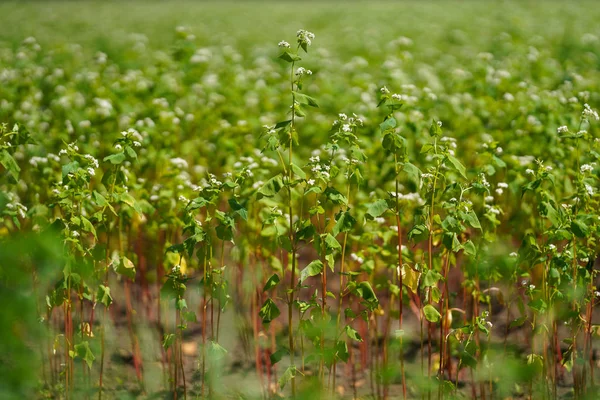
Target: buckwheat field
300,200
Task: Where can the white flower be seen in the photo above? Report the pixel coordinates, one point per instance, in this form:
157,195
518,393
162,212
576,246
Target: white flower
343,117
439,123
529,171
346,128
499,191
562,129
300,71
183,199
489,199
384,90
91,171
513,254
552,247
137,144
356,258
118,146
284,44
499,150
310,182
63,152
531,287
597,293
92,160
494,210
586,168
75,234
589,113
484,181
179,162
589,189
305,37
503,185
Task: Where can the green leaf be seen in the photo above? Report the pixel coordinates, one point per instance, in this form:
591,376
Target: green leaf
341,350
238,208
331,243
103,295
353,334
130,152
271,187
116,158
289,57
131,202
435,129
499,162
389,123
278,355
580,229
168,340
271,282
344,223
472,220
457,165
365,291
538,305
298,171
100,200
269,311
469,248
288,375
517,322
418,233
10,164
285,243
216,351
189,316
305,100
69,168
87,226
431,314
84,352
377,208
335,196
126,268
283,124
312,269
431,278
414,173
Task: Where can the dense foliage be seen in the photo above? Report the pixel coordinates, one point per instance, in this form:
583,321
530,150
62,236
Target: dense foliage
403,203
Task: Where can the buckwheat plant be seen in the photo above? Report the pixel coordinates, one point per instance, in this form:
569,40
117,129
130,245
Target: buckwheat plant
282,136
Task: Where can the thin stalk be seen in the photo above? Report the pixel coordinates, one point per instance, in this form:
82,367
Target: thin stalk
341,298
291,232
400,279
